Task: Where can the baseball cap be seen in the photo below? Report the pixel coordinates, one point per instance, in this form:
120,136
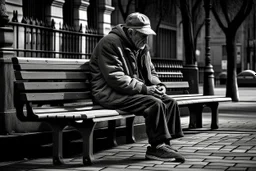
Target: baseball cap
139,22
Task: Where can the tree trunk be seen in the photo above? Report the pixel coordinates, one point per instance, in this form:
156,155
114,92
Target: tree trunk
231,84
188,36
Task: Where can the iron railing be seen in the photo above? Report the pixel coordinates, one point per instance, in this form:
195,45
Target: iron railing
34,38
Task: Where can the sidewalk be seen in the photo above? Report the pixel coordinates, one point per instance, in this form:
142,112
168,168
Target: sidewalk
232,147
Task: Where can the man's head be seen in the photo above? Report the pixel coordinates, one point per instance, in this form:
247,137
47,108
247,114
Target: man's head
139,28
139,22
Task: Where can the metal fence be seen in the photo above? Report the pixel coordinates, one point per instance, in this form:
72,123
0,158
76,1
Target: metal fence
34,38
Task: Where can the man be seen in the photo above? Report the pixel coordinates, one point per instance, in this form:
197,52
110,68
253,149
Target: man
124,78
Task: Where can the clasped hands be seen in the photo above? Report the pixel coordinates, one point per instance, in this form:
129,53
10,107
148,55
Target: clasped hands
156,90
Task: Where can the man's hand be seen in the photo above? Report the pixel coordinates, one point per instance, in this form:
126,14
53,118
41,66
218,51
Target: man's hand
154,91
161,88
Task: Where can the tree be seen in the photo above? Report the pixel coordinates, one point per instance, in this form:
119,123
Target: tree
229,15
192,13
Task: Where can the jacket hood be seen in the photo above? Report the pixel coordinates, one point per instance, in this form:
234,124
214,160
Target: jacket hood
118,30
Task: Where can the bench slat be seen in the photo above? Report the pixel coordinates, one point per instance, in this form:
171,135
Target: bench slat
169,73
185,95
82,114
178,84
196,101
52,86
24,75
33,97
39,60
196,97
124,116
43,67
65,109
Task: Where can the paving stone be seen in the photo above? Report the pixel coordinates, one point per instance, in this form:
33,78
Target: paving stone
237,169
230,161
220,163
135,167
215,167
234,154
251,165
252,169
87,168
184,165
242,158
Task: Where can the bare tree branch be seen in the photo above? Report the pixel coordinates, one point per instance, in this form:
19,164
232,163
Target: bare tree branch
124,13
221,25
243,13
223,5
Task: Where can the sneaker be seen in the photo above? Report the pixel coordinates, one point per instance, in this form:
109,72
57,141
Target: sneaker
171,147
163,153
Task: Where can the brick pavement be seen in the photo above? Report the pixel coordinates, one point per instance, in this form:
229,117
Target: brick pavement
230,148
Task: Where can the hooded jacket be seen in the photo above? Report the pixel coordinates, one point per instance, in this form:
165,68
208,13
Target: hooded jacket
119,70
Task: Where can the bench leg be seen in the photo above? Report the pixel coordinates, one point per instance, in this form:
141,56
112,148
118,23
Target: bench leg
112,133
215,115
57,138
195,119
86,129
130,130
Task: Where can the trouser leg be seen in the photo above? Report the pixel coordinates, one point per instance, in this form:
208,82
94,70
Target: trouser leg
173,117
161,115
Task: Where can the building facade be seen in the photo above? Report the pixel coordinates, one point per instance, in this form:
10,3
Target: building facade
69,29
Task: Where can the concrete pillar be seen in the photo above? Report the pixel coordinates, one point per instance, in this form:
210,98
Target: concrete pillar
14,5
104,20
80,13
56,12
7,111
6,72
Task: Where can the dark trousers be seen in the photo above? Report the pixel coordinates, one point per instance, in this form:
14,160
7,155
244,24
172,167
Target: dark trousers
162,116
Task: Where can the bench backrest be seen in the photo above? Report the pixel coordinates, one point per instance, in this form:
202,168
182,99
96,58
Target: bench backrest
50,81
170,73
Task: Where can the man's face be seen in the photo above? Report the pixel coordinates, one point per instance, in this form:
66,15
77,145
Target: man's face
139,39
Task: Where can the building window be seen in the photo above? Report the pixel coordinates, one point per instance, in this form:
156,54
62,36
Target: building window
166,43
35,9
92,14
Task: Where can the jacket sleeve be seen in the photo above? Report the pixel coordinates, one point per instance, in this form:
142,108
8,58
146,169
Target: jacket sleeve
114,70
154,76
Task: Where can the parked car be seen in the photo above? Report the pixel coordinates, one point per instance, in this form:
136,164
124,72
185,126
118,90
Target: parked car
246,78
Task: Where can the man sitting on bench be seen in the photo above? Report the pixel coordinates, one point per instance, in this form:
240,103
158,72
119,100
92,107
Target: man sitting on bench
124,78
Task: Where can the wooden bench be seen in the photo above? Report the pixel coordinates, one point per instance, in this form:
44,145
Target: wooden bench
57,91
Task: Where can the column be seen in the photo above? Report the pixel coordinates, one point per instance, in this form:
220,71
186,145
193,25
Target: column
6,72
56,12
80,13
104,20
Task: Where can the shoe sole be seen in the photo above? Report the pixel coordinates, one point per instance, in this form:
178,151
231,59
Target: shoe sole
158,158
